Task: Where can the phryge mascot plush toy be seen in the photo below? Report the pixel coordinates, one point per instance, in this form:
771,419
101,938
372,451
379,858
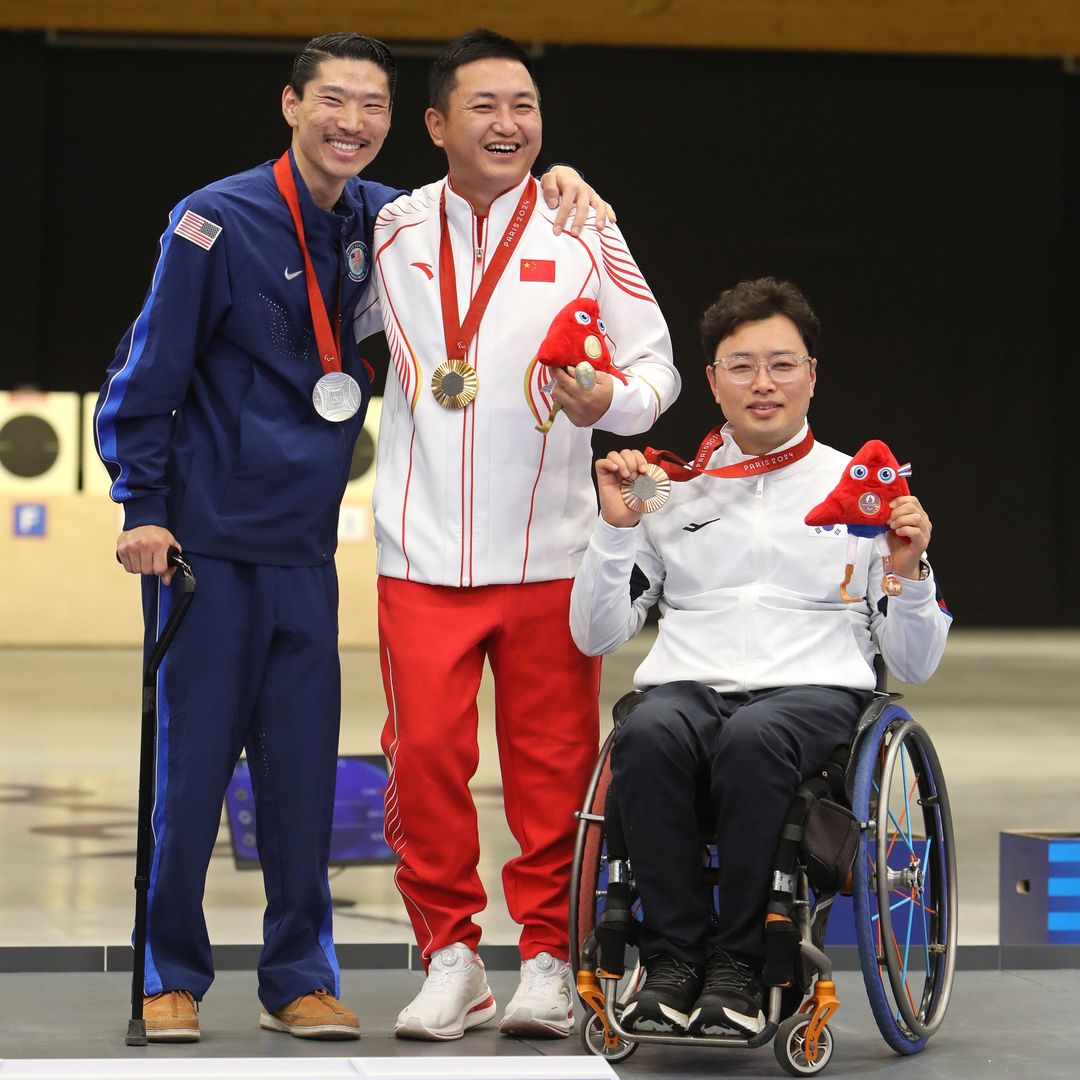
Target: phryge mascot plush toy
575,340
861,502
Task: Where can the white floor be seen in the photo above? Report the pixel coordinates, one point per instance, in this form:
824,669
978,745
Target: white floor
1002,711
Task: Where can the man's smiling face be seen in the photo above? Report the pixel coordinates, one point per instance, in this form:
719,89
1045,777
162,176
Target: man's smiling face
339,123
764,413
491,129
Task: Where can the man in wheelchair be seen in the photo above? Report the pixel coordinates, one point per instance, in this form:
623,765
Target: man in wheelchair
759,669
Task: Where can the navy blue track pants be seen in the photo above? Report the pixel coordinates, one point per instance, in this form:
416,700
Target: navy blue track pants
254,667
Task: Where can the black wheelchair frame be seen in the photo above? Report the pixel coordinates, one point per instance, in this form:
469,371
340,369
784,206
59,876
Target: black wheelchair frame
902,880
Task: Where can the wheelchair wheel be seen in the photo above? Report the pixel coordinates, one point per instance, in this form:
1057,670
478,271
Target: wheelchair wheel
904,880
790,1050
592,1037
585,874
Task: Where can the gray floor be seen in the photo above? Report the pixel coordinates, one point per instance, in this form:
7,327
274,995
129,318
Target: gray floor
1002,711
1021,1024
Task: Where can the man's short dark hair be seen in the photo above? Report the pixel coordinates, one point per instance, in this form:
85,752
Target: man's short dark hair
752,301
341,46
470,47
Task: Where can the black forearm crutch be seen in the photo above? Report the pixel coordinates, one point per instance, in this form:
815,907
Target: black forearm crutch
183,594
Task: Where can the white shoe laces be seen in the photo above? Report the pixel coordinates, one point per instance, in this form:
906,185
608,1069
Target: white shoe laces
447,966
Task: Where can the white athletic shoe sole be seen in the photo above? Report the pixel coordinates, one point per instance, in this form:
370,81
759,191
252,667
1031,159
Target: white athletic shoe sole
479,1012
522,1023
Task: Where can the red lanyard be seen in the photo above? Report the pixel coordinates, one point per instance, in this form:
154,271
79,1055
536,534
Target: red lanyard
329,342
459,335
678,470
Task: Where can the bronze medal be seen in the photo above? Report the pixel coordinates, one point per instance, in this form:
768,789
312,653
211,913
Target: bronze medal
647,491
454,384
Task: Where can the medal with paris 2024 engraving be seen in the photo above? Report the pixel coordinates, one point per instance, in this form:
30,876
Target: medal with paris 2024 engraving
647,491
454,384
336,396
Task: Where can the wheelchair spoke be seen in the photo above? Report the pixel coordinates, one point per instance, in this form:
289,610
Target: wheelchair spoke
899,825
928,888
907,987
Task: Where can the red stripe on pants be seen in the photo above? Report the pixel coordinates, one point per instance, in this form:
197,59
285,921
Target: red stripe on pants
433,642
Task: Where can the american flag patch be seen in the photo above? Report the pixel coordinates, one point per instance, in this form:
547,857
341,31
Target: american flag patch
198,230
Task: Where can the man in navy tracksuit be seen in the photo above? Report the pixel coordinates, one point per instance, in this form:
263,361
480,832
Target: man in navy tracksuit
208,427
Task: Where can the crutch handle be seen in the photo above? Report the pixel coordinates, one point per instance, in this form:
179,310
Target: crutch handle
184,585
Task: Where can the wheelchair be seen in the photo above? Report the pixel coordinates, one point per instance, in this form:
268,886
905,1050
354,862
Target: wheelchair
897,861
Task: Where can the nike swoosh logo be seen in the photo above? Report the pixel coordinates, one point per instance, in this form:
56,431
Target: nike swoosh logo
694,526
295,273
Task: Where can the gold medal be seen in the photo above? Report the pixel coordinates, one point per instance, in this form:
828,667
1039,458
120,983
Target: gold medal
454,384
647,491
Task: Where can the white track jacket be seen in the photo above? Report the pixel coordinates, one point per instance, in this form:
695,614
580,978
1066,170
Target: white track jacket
748,593
477,496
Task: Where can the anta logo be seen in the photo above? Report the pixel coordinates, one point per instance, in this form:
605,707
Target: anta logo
695,526
426,267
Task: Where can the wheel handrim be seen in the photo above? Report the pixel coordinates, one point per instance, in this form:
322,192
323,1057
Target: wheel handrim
916,894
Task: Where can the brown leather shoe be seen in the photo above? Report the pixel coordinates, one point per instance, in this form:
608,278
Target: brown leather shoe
318,1015
171,1016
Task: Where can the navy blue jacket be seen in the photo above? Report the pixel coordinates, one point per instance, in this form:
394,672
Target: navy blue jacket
205,421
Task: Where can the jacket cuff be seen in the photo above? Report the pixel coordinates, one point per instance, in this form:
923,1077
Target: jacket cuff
613,541
148,510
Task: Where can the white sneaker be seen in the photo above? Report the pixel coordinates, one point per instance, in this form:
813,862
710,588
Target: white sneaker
543,1007
455,996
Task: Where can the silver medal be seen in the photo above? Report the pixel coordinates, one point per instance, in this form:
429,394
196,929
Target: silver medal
336,396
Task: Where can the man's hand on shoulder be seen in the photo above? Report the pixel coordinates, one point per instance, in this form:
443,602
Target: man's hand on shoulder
611,471
564,188
145,550
909,535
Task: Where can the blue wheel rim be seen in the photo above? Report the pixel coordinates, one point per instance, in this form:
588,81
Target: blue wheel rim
907,955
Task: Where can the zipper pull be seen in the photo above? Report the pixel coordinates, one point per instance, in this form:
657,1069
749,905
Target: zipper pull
479,253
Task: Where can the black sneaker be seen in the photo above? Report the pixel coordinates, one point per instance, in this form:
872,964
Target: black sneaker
730,1000
661,1005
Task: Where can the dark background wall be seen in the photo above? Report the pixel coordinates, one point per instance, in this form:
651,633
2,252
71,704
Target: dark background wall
928,208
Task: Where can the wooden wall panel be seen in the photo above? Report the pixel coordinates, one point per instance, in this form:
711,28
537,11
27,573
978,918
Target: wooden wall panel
1037,28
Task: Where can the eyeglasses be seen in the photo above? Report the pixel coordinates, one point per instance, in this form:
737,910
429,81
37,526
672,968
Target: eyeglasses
742,368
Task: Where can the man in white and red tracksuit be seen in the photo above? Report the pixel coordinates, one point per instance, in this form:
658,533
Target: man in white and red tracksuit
481,521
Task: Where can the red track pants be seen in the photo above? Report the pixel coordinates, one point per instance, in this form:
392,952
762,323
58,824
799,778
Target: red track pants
433,641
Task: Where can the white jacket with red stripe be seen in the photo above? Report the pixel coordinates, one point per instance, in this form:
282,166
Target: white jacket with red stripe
478,496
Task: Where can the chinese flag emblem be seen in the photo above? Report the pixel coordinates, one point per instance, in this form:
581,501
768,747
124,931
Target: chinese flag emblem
537,270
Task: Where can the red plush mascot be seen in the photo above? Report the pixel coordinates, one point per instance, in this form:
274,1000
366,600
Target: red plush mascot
861,502
575,340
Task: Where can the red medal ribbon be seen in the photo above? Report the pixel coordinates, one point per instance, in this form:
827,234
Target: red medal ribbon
329,343
679,470
459,335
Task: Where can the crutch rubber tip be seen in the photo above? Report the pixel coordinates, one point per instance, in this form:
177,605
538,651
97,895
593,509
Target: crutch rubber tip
136,1033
